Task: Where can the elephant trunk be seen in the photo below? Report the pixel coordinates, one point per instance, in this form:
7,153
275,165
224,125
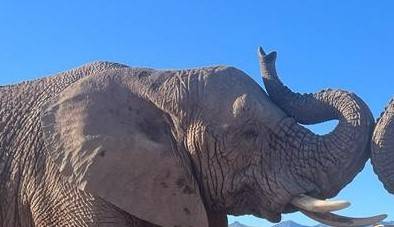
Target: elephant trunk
383,148
337,156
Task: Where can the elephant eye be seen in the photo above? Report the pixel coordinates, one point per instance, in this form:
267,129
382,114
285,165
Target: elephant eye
250,134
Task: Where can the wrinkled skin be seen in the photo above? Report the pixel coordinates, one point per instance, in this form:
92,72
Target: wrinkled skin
382,147
234,149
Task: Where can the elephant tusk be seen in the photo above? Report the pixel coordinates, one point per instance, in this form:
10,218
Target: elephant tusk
342,221
311,204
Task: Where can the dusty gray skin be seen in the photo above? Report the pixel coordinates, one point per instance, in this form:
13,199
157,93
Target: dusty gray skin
103,143
383,147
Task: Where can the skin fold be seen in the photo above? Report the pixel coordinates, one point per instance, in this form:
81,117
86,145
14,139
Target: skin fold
110,145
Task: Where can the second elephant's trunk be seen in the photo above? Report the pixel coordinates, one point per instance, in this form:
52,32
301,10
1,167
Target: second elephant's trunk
383,148
337,156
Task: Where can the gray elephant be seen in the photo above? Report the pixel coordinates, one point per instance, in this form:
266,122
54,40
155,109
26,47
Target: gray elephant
110,145
382,147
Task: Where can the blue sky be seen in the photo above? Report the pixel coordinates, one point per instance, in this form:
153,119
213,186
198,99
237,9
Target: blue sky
320,44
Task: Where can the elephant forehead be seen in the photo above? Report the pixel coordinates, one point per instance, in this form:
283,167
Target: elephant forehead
228,92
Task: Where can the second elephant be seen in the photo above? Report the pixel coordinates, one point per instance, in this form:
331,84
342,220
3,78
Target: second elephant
383,147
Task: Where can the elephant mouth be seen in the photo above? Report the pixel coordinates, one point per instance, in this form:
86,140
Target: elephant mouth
321,211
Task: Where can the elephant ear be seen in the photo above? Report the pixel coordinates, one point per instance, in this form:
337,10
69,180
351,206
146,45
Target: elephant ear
114,144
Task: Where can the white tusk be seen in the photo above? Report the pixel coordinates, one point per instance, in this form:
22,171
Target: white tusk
342,221
311,204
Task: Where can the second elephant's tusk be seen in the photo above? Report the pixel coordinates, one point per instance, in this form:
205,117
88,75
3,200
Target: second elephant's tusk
311,204
342,221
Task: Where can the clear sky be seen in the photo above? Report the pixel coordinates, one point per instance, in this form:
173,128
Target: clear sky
320,43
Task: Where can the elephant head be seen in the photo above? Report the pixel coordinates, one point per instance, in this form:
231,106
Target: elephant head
173,147
383,148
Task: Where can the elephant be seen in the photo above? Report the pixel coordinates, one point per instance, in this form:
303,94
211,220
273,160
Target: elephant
382,147
106,144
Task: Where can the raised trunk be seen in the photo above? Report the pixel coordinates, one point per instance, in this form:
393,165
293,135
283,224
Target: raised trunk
337,156
383,148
